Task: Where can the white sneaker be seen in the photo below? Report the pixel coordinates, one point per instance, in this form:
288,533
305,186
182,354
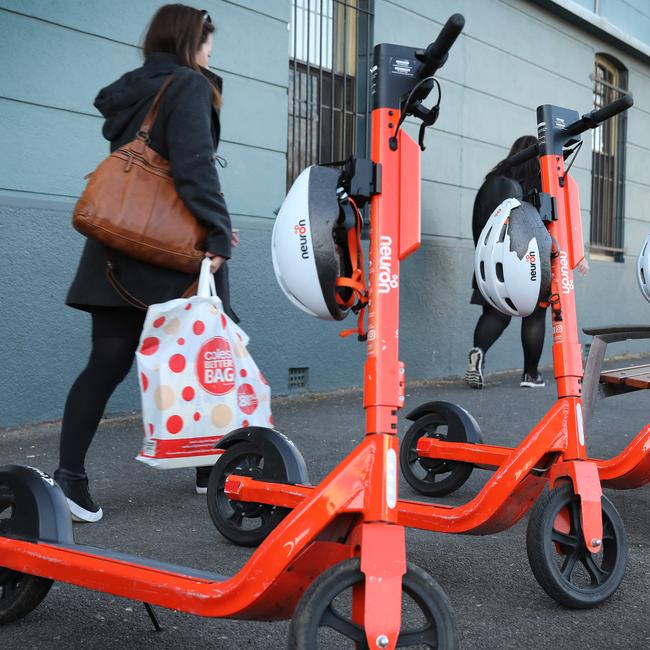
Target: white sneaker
80,514
532,381
75,487
474,373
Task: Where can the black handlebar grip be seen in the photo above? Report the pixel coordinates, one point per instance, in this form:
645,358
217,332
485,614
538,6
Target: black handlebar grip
448,34
592,119
521,157
620,105
436,52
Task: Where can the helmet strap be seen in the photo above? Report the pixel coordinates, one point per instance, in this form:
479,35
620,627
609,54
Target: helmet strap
357,280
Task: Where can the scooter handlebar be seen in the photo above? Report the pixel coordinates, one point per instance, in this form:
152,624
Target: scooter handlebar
620,105
436,53
590,120
594,118
521,156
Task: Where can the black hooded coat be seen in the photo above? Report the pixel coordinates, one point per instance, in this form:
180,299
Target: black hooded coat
186,132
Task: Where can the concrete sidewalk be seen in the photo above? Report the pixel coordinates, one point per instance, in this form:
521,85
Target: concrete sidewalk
497,601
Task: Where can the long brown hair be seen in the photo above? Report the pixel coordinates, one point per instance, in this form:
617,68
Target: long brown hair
180,30
528,174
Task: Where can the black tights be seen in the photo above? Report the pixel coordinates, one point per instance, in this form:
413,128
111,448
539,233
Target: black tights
115,336
492,322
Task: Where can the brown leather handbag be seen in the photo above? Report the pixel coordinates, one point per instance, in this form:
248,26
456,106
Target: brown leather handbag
131,205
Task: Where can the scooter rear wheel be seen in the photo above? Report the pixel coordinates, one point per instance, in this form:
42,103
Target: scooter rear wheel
243,523
20,593
323,617
564,567
431,477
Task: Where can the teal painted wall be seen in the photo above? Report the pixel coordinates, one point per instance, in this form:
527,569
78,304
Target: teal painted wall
493,82
59,54
56,55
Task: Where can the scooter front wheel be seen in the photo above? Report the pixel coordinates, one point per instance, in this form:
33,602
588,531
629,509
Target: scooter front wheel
323,617
564,567
429,476
242,522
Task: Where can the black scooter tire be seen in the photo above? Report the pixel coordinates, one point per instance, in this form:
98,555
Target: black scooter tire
229,516
455,473
20,594
314,610
545,546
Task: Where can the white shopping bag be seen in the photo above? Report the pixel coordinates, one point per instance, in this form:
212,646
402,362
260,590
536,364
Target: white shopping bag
197,380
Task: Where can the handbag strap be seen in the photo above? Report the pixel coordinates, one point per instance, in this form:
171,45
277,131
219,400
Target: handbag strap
128,297
152,113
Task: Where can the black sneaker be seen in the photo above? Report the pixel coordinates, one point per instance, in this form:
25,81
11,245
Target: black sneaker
474,373
202,478
532,381
75,488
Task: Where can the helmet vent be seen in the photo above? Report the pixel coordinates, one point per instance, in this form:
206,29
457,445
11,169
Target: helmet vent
511,304
499,271
502,234
482,270
642,276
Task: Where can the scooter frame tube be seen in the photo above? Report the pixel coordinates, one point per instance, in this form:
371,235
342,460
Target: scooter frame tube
357,501
554,451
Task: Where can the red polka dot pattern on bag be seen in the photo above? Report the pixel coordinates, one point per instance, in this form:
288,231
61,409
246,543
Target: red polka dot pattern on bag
197,416
224,322
144,381
181,341
245,423
151,429
247,399
177,363
188,306
174,424
263,379
199,327
242,373
215,367
188,393
150,346
159,322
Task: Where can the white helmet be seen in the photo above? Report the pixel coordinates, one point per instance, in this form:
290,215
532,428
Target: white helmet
310,246
643,269
512,261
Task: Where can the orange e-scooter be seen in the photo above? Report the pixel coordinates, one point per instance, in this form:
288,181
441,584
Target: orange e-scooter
344,537
576,540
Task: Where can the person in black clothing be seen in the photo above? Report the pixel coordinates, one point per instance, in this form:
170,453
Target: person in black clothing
186,132
500,184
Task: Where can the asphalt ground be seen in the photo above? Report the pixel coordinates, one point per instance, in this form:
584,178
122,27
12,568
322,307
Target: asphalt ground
497,601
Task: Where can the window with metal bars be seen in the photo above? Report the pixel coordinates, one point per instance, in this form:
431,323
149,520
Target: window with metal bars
330,52
608,161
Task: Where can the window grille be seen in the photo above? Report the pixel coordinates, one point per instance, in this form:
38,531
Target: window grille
608,162
298,379
330,52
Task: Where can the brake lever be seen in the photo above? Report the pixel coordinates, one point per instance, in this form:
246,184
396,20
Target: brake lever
426,117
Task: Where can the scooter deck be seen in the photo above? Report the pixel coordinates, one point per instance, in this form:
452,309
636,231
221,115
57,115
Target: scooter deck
249,595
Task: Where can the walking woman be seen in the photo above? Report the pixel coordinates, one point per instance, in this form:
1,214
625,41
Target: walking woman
186,132
500,184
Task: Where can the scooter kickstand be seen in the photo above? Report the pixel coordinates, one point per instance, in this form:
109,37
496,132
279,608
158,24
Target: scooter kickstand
153,616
